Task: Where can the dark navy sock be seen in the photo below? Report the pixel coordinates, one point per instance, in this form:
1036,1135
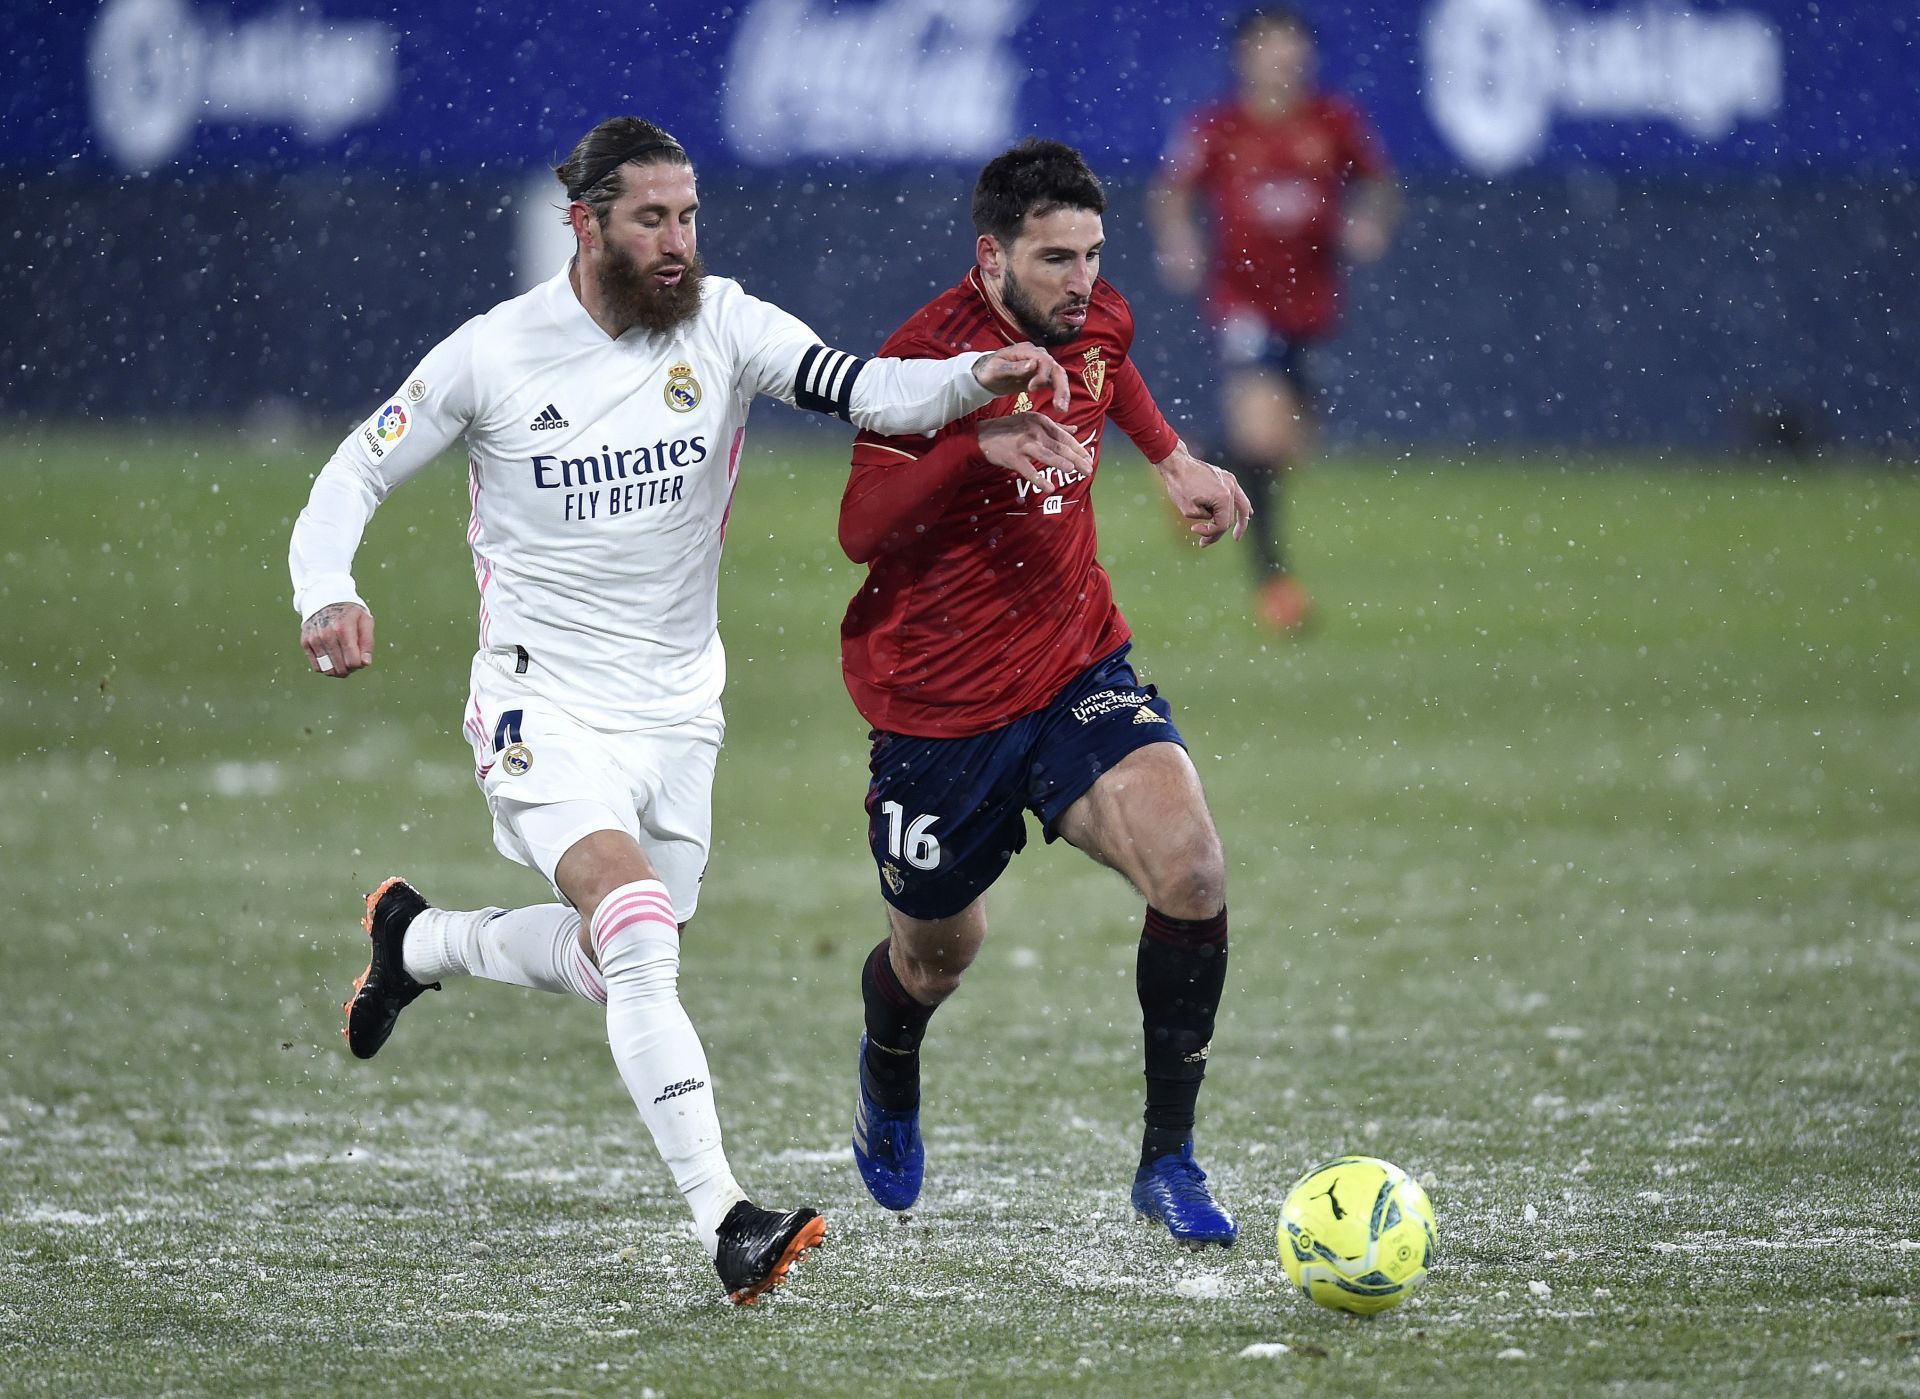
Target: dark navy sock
896,1022
1264,483
1180,972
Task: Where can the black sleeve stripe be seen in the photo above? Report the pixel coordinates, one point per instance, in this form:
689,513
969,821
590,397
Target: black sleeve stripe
824,383
825,363
842,379
827,374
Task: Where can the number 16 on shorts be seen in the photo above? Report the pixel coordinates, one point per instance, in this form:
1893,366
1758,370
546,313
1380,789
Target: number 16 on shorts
912,841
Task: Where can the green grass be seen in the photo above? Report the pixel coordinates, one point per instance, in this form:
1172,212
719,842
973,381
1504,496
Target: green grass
1575,865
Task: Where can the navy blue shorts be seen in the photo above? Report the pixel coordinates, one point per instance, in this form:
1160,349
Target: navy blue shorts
1247,342
945,815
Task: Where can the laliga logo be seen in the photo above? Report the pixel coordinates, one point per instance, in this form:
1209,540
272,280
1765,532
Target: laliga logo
901,78
1498,71
156,68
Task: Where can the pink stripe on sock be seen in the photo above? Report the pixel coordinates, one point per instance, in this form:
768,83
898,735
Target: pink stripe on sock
590,975
604,935
603,928
644,899
642,906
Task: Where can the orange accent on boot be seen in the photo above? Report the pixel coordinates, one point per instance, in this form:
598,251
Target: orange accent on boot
375,897
798,1247
366,923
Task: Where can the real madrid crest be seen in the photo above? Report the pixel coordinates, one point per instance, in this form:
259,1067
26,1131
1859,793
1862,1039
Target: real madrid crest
1094,373
517,758
683,390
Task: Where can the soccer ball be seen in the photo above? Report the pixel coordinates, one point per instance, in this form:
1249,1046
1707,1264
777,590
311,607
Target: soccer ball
1356,1234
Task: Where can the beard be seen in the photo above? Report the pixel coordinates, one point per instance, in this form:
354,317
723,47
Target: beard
638,300
1039,327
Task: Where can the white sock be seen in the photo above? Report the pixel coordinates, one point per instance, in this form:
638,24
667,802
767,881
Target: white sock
657,1050
537,947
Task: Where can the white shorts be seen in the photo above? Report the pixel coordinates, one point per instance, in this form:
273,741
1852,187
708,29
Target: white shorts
550,780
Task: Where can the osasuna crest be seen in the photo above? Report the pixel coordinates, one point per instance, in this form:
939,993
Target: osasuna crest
683,390
1094,374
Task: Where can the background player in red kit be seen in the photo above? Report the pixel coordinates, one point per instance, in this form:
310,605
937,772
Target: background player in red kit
1293,178
986,651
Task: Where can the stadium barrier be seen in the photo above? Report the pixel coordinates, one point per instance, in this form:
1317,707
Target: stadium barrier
1581,311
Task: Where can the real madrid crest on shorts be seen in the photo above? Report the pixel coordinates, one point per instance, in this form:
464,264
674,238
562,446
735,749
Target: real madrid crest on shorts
516,759
683,390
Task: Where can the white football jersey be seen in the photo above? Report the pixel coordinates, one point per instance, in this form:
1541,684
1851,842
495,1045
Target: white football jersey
601,472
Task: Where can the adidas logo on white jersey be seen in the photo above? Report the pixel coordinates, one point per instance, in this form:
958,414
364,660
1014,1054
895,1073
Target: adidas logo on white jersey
547,419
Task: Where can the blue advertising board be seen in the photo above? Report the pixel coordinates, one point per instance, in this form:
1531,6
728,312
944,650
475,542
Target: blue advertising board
1489,88
1629,222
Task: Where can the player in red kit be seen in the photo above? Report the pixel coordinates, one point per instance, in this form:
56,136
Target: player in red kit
986,651
1293,179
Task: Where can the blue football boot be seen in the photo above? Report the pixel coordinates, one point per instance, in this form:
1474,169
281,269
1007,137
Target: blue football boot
886,1147
1172,1190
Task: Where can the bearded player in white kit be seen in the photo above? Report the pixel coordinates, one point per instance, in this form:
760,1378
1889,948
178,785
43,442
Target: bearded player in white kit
604,414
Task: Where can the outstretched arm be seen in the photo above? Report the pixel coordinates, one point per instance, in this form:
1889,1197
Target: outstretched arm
897,396
783,358
1024,368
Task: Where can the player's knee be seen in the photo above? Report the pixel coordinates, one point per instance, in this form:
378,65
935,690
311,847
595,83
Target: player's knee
931,982
1271,434
635,941
930,977
589,910
1273,445
1255,450
1193,882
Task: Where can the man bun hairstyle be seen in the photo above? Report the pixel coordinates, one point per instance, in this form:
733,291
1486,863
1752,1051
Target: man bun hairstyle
592,173
1032,180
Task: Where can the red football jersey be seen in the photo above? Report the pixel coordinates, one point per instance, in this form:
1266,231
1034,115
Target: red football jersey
983,597
1274,186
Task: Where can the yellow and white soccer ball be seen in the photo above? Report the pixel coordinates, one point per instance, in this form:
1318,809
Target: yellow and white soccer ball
1356,1234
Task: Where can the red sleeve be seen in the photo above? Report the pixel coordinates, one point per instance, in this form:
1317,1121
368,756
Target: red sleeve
1366,157
1132,408
890,492
897,481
